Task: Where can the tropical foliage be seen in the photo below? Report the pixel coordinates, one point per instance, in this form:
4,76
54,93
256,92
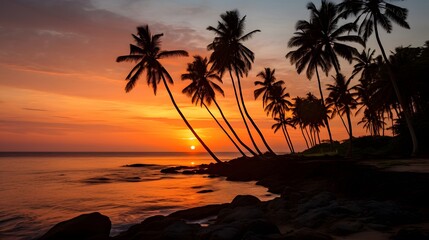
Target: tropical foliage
387,94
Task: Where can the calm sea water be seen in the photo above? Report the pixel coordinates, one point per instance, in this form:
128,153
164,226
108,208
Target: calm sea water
39,190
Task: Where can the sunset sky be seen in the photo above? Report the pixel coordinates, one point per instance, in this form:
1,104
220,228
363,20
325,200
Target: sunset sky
61,89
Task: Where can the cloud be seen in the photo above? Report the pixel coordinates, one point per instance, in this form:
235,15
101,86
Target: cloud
35,109
56,128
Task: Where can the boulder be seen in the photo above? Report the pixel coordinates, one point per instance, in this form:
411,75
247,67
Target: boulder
199,212
306,234
344,228
245,200
220,233
411,233
94,226
261,227
229,215
180,231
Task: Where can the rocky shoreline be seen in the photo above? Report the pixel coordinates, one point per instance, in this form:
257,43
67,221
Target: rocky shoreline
320,198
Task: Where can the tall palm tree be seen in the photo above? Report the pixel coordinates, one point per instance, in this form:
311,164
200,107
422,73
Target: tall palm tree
269,82
343,100
374,13
147,53
202,90
229,54
298,116
282,124
325,22
309,55
365,64
277,106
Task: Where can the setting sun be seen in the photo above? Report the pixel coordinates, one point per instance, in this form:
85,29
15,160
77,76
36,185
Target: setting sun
192,147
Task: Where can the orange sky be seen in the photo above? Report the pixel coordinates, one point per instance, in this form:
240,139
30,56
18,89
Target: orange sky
61,89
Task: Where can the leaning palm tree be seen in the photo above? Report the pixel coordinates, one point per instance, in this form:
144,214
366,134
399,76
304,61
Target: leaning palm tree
147,53
282,124
269,82
277,106
202,91
229,54
343,100
309,55
371,14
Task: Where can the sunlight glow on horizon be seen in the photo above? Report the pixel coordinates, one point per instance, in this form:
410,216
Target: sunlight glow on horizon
65,92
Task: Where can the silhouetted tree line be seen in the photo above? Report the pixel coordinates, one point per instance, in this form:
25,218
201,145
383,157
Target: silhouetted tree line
391,91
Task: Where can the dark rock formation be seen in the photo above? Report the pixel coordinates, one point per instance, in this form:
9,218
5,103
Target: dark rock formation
92,226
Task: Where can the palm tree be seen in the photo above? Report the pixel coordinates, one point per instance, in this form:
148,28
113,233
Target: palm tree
267,85
282,124
298,116
147,53
277,106
371,14
309,55
229,54
341,98
324,23
202,90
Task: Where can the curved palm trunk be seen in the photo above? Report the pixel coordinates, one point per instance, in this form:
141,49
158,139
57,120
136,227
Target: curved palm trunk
286,138
223,129
405,109
232,130
242,116
290,140
342,119
323,102
286,134
349,120
309,137
306,142
187,123
250,118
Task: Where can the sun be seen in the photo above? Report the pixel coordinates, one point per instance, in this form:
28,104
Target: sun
192,147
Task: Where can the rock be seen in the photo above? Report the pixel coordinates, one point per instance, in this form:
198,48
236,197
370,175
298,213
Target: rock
169,170
387,213
221,233
229,215
411,233
346,227
199,212
161,228
261,227
306,234
205,191
86,226
317,201
180,231
139,165
245,200
188,172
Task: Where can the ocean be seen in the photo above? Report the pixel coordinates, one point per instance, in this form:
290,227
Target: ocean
39,190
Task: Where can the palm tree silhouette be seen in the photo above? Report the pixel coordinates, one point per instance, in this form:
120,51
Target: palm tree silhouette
371,14
267,85
147,53
202,90
298,117
326,29
277,106
343,101
310,55
229,54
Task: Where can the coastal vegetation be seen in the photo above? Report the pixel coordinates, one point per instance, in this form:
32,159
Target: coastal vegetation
389,93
